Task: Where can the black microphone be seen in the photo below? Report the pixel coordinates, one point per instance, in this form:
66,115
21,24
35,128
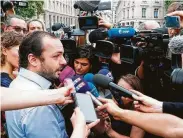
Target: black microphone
106,83
57,26
87,5
98,34
176,44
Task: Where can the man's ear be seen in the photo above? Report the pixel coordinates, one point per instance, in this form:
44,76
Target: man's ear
33,60
4,51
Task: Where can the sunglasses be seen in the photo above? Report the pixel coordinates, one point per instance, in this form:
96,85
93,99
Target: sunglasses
19,29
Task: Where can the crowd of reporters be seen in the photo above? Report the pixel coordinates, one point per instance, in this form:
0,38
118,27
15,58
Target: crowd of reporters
138,116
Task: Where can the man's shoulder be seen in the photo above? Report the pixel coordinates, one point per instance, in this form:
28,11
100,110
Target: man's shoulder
24,84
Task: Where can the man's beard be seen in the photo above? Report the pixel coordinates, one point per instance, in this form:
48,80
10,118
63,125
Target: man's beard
47,73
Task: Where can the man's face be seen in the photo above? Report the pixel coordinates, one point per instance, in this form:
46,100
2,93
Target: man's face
17,25
173,32
52,61
35,26
81,66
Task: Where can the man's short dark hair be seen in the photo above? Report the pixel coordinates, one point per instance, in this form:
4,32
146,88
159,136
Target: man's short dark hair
32,43
85,52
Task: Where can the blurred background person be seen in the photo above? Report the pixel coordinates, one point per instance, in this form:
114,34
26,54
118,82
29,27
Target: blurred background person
35,25
16,23
10,42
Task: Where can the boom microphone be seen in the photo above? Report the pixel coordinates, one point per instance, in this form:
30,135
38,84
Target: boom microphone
101,34
176,44
106,82
57,26
87,5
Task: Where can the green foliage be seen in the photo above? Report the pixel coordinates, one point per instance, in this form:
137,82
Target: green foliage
167,3
35,8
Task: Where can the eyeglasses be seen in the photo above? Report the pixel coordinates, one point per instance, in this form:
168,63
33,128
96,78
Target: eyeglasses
19,29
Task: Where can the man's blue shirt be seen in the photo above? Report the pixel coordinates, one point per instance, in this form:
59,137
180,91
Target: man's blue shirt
35,122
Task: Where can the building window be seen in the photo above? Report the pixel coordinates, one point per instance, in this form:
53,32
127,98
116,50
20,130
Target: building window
53,19
124,14
155,13
128,14
53,4
144,1
132,12
50,20
124,3
156,1
57,19
143,12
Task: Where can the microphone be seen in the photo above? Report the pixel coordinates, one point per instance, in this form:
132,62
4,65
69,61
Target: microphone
88,77
176,44
106,73
83,86
106,82
80,85
101,34
93,90
67,72
87,5
57,26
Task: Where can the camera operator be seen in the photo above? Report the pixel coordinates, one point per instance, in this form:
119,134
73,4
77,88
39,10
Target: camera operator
163,125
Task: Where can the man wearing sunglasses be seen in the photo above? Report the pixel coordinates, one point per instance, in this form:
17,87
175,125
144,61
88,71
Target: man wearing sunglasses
16,23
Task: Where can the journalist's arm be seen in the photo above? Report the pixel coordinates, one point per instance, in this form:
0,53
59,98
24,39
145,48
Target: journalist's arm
163,125
12,99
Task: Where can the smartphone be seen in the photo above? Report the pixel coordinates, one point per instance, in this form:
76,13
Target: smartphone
94,99
84,102
172,21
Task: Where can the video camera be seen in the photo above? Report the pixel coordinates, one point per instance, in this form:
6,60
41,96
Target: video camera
146,45
7,4
88,18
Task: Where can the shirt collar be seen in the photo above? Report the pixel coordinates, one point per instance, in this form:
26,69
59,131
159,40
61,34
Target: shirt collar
34,77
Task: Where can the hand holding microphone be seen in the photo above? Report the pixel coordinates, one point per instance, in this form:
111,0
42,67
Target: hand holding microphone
106,83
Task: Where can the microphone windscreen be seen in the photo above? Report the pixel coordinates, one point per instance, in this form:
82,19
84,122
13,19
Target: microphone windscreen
82,87
88,5
97,34
101,80
176,44
107,73
88,77
76,79
121,32
56,26
93,89
67,72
